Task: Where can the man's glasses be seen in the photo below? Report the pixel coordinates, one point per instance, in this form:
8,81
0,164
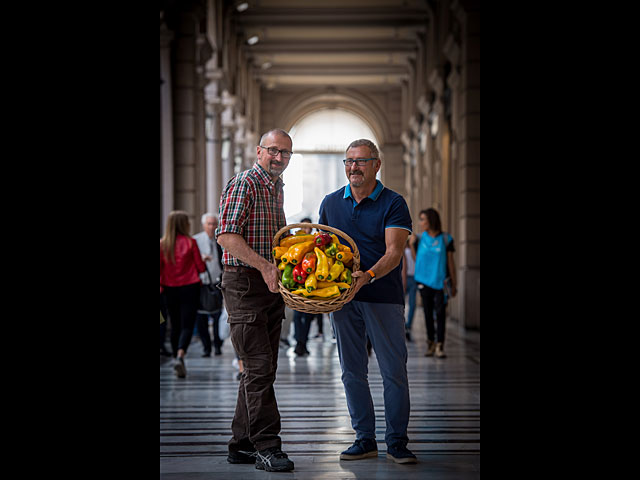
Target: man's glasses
273,151
361,162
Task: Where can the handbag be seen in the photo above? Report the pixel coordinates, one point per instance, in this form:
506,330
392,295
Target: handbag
210,296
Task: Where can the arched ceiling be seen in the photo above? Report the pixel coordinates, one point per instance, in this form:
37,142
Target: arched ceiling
335,43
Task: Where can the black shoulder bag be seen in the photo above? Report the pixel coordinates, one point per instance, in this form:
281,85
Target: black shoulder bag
210,296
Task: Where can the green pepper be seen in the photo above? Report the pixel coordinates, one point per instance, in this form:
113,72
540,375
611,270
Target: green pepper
345,276
287,276
331,250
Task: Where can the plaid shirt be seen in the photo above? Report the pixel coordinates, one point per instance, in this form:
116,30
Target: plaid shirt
252,206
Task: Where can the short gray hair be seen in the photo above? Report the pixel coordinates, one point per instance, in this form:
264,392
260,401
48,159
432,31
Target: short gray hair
366,143
204,217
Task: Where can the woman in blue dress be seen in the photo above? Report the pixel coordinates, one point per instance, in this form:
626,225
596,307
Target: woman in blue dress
434,264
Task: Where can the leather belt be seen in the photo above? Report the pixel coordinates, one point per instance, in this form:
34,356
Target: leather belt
232,268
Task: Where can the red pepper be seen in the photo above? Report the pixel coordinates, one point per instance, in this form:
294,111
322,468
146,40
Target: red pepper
299,275
323,239
309,262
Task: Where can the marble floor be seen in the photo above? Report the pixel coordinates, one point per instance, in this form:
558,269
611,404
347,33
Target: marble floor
444,427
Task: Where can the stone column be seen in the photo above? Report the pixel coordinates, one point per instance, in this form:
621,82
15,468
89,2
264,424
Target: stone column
250,143
185,118
166,126
228,135
213,132
239,159
468,153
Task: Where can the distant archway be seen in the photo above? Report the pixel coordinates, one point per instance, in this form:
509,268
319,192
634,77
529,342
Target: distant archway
320,139
293,111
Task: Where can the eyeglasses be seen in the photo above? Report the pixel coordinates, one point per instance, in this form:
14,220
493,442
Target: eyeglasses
361,162
273,151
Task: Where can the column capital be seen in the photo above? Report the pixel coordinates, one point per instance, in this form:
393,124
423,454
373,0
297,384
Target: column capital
166,35
211,96
423,105
405,138
414,125
451,50
436,82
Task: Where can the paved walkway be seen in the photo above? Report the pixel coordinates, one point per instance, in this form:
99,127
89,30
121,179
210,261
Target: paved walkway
444,428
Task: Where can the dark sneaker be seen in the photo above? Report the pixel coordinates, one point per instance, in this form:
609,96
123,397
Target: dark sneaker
273,460
362,448
242,457
178,366
400,454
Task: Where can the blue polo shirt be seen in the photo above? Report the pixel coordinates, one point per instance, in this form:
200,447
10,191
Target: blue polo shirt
365,223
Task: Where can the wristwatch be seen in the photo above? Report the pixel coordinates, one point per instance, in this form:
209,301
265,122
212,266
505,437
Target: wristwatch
373,277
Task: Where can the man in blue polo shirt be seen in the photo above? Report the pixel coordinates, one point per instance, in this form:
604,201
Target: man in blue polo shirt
378,220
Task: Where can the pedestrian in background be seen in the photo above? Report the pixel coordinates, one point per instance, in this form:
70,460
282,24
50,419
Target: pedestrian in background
212,256
409,282
180,266
434,263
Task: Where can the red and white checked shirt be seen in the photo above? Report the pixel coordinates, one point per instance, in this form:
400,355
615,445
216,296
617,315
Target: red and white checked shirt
252,206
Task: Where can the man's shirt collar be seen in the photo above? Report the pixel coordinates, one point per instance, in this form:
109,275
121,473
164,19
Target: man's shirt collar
265,177
374,195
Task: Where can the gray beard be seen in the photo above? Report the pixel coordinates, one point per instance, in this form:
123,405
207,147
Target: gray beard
276,171
356,183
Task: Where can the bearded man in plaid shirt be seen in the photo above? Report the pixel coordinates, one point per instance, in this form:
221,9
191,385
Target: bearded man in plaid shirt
251,213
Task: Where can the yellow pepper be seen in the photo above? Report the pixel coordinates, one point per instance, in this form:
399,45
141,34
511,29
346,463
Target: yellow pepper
322,270
343,248
297,252
335,271
344,256
301,291
311,283
281,266
286,257
293,239
325,292
279,251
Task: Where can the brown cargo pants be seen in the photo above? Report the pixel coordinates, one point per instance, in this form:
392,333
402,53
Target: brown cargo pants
255,321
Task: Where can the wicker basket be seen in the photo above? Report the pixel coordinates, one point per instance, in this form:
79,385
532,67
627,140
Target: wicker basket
317,305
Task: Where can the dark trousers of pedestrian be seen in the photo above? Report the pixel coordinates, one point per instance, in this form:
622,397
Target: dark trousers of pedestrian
302,324
182,305
433,300
255,323
202,326
319,318
163,325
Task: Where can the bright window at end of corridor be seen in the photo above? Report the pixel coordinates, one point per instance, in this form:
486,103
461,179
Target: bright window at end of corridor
316,169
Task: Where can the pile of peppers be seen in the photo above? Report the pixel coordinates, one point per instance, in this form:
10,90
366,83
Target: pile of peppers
314,265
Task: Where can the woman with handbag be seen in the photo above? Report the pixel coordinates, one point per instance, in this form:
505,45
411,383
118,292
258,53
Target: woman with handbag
435,274
180,266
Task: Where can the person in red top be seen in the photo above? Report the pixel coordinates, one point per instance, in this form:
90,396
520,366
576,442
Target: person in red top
180,266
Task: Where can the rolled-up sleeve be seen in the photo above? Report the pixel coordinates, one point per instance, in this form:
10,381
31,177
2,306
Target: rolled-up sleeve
235,207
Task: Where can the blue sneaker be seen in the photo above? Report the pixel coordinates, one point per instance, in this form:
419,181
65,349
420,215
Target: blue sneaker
399,453
362,448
